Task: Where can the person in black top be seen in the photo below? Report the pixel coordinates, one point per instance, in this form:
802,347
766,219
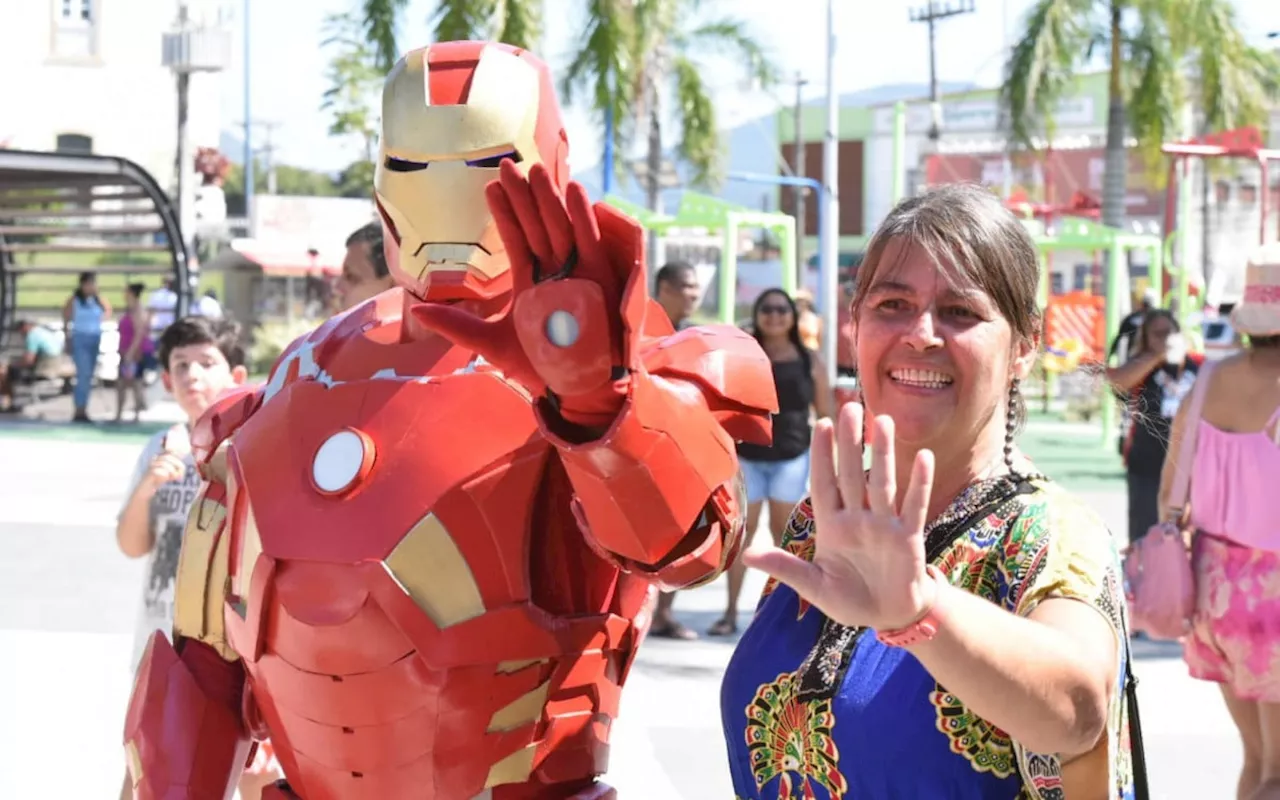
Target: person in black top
779,473
1154,381
1122,345
676,290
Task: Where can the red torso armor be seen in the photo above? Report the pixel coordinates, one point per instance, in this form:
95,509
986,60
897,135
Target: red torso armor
414,634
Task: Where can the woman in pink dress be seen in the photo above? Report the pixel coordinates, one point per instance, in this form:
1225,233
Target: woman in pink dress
1235,635
137,350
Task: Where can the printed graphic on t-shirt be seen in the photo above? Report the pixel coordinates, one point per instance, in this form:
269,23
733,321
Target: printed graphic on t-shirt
169,510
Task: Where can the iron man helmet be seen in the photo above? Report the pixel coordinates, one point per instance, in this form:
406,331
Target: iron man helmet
450,113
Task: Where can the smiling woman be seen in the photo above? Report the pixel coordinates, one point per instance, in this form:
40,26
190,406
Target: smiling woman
959,613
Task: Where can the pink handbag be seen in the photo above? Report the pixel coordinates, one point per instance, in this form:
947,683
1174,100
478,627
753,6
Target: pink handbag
1157,567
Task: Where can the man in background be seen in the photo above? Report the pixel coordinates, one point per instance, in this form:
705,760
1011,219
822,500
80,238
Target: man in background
677,291
364,270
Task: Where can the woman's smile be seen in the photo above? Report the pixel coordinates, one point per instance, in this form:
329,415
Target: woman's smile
919,381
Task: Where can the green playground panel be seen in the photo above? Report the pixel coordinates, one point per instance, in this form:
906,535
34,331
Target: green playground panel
720,216
1075,233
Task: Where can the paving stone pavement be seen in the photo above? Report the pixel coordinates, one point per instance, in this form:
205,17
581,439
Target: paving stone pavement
68,600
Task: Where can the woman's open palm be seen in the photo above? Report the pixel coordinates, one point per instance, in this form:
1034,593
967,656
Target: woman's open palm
868,567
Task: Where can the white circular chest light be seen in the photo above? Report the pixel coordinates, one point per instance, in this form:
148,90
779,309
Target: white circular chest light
339,461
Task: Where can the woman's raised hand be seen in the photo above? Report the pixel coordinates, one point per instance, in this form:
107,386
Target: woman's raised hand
868,567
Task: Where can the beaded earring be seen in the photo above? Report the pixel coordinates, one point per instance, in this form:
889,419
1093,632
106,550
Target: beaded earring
1011,422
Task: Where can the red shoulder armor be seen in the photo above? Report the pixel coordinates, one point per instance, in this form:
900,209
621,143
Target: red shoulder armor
726,362
221,419
659,492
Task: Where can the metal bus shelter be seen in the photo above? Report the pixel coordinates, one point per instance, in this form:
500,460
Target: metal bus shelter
66,213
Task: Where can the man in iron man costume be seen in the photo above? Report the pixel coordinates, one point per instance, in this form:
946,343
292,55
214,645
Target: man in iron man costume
421,562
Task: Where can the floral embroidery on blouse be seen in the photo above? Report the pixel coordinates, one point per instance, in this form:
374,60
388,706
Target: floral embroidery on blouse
791,739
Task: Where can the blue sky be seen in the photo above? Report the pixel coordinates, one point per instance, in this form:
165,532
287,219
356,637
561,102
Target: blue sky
878,44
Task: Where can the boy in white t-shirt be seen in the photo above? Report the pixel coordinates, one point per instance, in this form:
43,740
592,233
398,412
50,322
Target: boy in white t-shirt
200,359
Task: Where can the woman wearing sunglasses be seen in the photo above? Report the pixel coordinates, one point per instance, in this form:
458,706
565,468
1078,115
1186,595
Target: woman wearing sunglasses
779,474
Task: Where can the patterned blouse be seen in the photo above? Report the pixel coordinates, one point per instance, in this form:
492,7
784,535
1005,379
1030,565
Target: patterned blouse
814,710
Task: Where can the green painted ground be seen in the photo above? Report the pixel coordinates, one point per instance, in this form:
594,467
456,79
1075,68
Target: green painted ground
1074,455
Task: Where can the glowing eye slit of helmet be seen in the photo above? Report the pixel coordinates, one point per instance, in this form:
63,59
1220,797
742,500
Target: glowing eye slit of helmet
394,164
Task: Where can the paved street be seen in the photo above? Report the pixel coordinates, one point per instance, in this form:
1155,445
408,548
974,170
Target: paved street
68,599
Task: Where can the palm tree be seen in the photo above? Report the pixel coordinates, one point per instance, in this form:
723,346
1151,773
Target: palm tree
1160,54
634,53
516,22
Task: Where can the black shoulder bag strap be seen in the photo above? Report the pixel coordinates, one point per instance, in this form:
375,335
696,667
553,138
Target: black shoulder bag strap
1137,752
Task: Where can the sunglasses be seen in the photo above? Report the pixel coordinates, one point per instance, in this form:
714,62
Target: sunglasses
767,309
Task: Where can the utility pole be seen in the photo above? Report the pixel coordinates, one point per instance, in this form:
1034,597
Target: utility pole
799,168
185,49
186,212
248,133
936,11
268,151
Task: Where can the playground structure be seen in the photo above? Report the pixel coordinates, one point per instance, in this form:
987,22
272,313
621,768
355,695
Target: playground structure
1072,316
698,212
1244,144
1076,339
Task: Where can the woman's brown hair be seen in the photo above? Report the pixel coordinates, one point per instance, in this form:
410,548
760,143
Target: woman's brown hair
974,240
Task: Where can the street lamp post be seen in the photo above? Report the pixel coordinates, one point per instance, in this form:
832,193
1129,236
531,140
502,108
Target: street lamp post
829,243
798,167
248,131
187,49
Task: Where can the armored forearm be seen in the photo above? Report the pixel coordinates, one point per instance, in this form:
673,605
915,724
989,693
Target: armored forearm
658,492
183,735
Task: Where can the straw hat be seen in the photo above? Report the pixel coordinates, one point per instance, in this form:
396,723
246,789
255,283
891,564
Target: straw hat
1258,314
